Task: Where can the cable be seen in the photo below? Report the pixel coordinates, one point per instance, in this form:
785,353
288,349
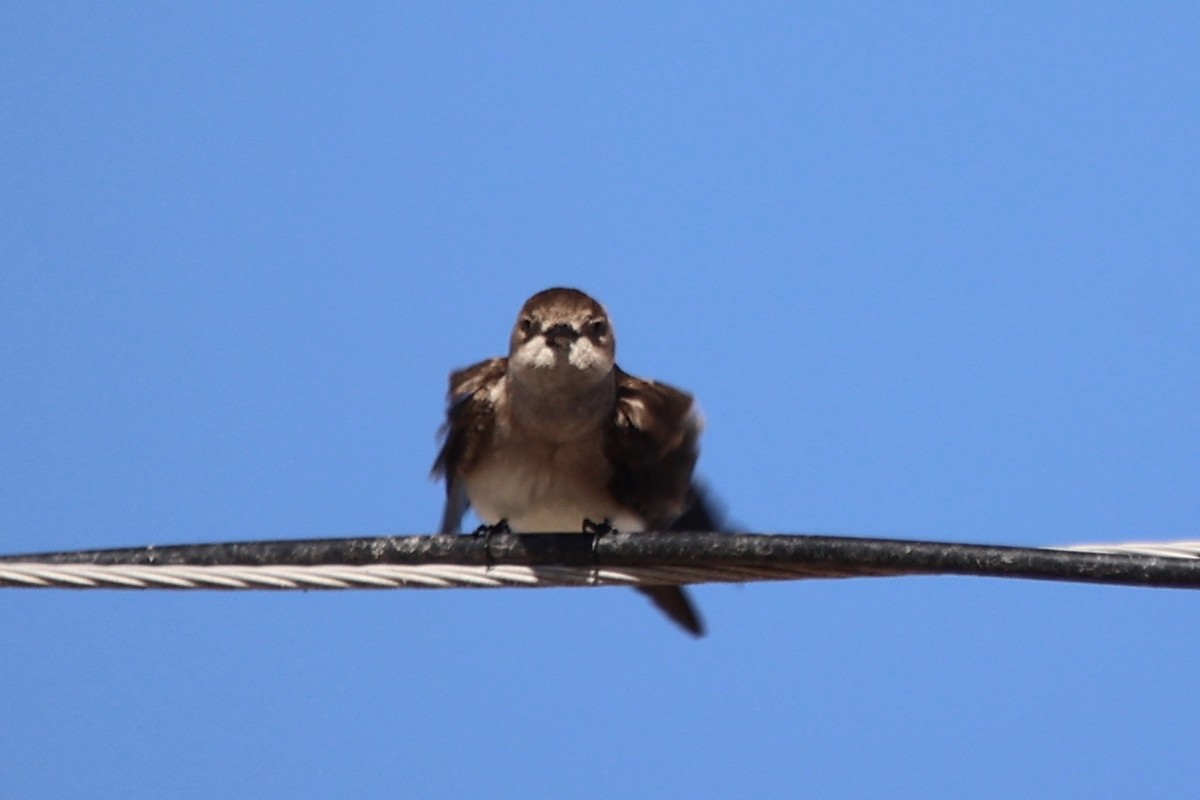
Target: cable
574,559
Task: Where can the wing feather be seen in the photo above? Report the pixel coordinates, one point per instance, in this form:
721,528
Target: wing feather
466,432
652,444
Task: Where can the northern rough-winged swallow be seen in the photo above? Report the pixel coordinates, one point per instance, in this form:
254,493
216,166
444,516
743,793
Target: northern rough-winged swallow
557,438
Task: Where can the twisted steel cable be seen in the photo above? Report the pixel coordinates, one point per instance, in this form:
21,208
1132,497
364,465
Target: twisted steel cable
575,559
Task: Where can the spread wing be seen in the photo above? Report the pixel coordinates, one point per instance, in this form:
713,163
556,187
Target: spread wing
653,444
466,432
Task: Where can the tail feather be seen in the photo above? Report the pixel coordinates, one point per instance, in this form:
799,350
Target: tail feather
676,604
702,514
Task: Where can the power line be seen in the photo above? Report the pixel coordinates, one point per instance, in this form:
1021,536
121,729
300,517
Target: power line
574,559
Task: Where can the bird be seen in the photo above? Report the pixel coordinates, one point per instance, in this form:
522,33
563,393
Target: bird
555,437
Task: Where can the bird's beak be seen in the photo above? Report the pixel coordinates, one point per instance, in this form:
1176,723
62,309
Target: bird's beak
562,333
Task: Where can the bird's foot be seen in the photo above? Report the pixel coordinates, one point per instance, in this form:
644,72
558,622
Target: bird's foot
597,529
492,530
487,532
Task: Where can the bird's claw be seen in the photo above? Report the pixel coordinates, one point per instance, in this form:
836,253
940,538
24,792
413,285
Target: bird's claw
597,529
492,530
487,532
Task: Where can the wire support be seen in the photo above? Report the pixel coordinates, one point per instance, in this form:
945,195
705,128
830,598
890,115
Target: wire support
576,559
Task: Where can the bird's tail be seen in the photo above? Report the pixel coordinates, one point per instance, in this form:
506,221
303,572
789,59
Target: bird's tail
676,604
702,514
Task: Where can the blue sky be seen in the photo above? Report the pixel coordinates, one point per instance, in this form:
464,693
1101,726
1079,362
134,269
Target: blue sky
932,271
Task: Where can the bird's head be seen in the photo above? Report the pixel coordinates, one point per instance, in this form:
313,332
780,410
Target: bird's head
562,337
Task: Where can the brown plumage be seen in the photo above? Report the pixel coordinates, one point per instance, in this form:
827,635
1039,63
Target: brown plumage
556,433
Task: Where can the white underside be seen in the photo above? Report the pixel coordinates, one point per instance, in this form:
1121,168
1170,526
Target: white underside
544,500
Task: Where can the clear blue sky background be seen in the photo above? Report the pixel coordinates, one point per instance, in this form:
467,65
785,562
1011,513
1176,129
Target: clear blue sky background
933,271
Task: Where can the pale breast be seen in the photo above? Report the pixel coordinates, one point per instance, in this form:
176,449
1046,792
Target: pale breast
546,488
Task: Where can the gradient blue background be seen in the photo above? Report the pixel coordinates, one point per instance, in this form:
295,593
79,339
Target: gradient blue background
933,271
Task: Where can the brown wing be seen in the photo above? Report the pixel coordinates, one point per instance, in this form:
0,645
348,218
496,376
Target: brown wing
466,432
652,444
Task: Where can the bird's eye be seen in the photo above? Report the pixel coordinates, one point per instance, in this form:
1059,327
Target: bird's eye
526,325
598,328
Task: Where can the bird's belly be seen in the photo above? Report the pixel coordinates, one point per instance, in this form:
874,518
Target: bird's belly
543,499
